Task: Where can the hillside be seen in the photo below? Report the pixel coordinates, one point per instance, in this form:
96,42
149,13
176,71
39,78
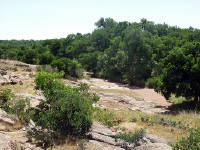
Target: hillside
121,108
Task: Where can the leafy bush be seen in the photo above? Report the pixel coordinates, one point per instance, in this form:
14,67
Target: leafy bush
6,97
131,137
43,79
66,110
14,68
192,142
20,108
134,119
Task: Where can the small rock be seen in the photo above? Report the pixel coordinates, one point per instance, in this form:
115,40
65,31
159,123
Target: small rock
143,141
7,78
155,139
4,117
31,124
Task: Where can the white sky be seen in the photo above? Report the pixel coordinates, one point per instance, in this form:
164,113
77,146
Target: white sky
45,19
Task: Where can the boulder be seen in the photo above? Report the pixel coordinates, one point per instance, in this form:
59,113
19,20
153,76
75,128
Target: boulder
100,129
3,72
150,138
103,138
6,143
4,117
154,146
102,134
155,139
95,145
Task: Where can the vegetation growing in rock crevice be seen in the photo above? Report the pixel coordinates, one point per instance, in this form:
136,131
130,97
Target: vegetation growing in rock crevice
19,107
131,137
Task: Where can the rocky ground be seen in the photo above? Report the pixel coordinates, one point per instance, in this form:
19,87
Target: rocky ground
102,137
142,99
19,77
117,96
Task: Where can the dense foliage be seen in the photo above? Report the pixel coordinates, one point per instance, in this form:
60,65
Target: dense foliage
167,57
66,110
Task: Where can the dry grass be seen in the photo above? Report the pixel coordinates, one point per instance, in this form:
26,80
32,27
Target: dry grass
26,87
168,131
68,145
10,127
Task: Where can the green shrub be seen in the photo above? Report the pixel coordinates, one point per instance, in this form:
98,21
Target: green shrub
6,103
21,109
107,117
44,138
131,137
27,69
151,121
66,110
14,68
44,79
134,120
192,142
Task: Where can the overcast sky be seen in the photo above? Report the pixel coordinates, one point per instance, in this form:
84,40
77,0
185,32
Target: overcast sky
46,19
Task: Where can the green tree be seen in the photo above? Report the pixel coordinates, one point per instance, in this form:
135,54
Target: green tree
180,73
139,57
70,67
100,39
89,61
46,58
30,56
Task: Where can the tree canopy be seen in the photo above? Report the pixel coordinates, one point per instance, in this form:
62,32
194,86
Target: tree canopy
166,57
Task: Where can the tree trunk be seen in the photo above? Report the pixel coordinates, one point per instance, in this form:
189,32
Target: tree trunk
196,99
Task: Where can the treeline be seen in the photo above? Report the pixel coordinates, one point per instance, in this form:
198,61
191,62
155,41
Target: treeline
164,57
